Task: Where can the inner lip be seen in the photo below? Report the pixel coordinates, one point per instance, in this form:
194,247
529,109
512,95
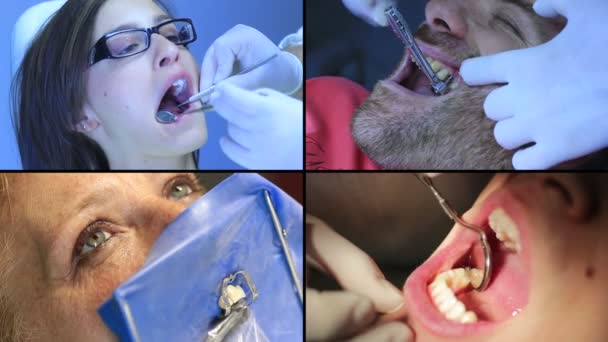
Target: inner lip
507,292
170,102
412,79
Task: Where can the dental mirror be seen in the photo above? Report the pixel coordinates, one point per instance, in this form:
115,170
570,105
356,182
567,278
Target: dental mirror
167,117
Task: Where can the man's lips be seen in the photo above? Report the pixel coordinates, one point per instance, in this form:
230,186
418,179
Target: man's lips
508,290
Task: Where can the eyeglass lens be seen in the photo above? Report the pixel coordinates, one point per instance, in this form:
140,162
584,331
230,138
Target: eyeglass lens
131,42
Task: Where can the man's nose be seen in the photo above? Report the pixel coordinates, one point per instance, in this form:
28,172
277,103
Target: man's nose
447,16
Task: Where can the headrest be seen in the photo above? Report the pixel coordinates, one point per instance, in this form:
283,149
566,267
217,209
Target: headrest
27,26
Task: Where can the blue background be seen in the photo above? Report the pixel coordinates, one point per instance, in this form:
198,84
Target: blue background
274,18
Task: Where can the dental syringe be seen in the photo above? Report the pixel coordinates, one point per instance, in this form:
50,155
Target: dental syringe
402,30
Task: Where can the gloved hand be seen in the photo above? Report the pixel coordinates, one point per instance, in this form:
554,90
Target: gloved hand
264,127
372,11
333,315
247,46
556,95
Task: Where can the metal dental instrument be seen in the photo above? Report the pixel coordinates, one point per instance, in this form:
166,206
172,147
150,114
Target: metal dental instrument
235,313
166,116
402,30
282,233
483,239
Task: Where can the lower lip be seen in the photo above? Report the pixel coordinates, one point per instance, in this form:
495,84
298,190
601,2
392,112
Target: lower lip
507,293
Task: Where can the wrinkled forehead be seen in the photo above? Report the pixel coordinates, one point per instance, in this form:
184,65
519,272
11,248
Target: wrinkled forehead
117,15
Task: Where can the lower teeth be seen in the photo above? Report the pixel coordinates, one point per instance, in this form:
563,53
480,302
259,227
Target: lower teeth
443,288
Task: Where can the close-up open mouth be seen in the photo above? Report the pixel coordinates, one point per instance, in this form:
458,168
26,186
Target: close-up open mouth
411,80
440,293
177,90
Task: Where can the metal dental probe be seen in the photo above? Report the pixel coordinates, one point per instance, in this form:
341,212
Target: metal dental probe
166,116
402,30
483,239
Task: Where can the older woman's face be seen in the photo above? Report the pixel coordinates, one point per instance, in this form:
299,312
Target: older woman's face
551,288
76,237
124,94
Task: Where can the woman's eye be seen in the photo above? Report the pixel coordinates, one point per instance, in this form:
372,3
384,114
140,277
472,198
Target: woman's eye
173,38
180,190
129,49
93,241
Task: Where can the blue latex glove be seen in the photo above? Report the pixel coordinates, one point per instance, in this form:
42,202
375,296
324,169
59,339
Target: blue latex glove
248,46
372,11
264,127
556,95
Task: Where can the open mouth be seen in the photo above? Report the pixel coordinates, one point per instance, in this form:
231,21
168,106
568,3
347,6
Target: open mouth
409,77
440,293
177,92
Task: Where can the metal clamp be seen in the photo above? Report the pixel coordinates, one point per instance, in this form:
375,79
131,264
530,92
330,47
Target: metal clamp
235,310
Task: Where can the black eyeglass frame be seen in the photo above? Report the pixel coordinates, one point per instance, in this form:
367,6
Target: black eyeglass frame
100,50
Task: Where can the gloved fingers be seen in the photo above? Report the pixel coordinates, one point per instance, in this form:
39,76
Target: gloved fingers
236,152
217,65
267,92
351,267
333,315
208,69
231,99
537,157
489,69
512,133
378,17
242,137
393,331
498,103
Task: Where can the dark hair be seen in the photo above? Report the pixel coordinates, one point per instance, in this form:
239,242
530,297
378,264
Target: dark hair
49,91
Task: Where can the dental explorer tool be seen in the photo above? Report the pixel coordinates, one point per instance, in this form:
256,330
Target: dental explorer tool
483,239
282,233
165,116
402,30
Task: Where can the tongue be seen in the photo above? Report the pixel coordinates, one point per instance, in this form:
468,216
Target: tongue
419,83
168,102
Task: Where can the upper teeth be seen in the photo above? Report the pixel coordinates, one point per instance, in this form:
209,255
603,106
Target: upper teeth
178,87
442,71
505,229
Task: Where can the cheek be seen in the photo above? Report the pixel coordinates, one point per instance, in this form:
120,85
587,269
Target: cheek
116,92
491,42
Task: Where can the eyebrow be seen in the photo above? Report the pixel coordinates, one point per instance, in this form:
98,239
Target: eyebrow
157,20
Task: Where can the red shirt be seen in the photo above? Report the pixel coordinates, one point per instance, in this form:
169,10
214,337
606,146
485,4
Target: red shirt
330,105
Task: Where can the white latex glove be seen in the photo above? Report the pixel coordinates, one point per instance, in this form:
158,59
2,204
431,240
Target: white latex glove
557,95
264,127
372,11
247,46
333,315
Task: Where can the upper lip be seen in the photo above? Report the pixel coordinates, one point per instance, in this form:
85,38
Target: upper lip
415,288
180,75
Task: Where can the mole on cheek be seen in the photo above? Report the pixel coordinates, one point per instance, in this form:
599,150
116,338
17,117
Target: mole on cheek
589,272
105,94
